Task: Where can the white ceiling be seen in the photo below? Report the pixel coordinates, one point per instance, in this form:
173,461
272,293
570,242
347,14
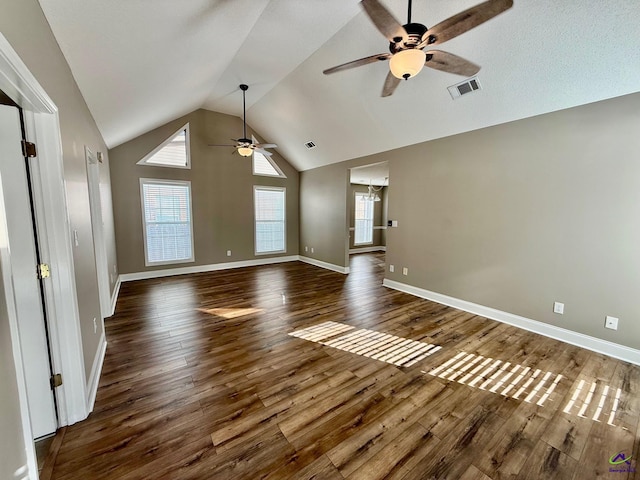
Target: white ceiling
142,63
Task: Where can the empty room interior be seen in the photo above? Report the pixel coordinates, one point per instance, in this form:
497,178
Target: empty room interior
274,239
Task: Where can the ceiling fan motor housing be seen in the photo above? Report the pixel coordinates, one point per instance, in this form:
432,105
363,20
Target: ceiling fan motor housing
415,31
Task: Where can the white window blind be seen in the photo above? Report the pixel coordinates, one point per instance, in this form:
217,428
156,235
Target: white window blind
363,220
265,166
166,210
173,152
270,219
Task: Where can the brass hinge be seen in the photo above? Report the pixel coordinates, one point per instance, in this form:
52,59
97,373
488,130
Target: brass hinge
56,380
28,149
43,271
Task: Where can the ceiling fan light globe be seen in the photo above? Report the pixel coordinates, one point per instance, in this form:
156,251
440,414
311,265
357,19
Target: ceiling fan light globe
245,151
407,63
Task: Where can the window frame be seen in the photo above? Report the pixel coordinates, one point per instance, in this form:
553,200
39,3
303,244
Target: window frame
284,220
355,219
145,160
157,181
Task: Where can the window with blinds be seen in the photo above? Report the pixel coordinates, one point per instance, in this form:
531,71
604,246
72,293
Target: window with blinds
270,219
363,220
166,213
173,152
265,166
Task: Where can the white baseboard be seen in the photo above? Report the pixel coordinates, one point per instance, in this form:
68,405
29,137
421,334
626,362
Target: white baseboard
114,295
378,248
321,264
605,347
127,277
96,370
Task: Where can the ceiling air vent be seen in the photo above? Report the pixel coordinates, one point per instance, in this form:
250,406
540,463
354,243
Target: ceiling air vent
470,85
310,145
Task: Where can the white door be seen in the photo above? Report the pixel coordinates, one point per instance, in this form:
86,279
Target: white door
97,227
29,308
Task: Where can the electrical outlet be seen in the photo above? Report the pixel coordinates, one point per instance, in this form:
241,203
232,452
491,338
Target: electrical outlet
114,269
228,253
306,249
405,271
311,249
611,323
75,238
558,308
392,268
95,325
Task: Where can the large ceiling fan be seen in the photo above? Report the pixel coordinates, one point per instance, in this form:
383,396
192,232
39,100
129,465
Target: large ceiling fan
407,42
245,146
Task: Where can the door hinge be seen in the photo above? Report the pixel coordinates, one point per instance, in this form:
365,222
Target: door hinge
43,271
28,149
56,380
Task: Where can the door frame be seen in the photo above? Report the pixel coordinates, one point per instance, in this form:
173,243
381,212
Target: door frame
42,126
97,228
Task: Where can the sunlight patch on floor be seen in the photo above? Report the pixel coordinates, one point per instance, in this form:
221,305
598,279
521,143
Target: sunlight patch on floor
398,351
231,312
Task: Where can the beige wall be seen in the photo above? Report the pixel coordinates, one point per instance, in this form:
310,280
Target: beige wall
221,193
520,215
26,29
379,216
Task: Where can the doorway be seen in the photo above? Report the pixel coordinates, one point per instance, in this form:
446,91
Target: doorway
367,205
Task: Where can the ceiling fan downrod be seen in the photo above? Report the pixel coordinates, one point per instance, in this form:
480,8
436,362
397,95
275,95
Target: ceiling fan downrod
244,88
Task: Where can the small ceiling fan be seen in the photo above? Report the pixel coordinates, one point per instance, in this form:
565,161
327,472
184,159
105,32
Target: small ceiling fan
244,146
407,42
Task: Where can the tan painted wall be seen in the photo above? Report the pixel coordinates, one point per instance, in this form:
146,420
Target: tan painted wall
26,29
519,215
221,193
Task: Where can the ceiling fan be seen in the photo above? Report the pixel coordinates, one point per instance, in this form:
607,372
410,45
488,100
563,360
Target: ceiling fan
407,42
244,146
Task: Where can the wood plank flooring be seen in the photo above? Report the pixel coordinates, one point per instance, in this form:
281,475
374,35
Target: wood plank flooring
232,375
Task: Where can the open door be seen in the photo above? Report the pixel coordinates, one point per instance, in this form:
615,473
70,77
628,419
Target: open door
29,296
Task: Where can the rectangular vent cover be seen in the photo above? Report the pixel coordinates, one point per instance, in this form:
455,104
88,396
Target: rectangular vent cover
470,85
310,145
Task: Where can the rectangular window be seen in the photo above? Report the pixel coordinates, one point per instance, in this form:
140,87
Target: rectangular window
270,219
166,213
363,220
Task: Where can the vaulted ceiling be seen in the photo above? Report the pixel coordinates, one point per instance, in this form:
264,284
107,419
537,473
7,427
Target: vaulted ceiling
142,63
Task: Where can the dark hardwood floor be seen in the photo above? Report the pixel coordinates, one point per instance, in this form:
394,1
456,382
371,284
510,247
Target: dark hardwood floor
292,371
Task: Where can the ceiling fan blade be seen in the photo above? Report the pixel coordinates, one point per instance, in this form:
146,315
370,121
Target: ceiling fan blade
357,63
448,62
263,152
384,21
464,21
265,145
221,145
390,85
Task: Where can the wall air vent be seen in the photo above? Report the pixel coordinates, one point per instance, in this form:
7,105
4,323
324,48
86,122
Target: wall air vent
310,145
470,85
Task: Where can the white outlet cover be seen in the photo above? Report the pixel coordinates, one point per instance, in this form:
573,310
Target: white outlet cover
558,308
392,268
611,323
405,271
